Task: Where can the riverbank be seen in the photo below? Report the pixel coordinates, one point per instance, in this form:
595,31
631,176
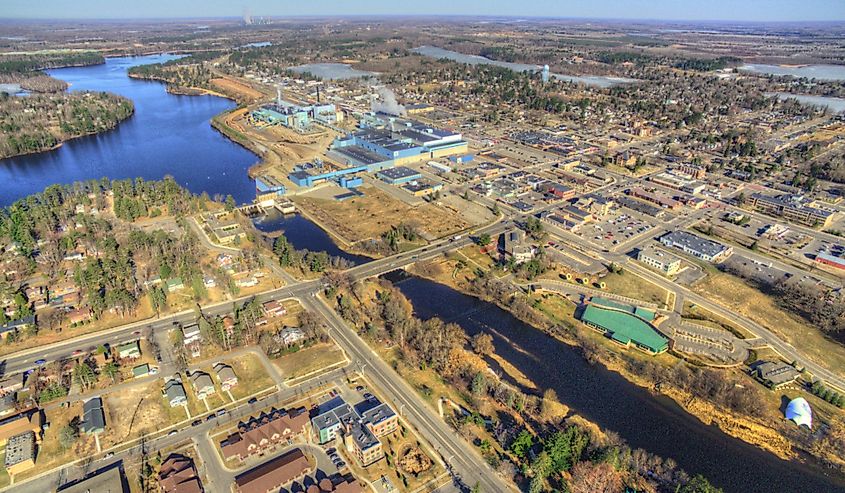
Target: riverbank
763,431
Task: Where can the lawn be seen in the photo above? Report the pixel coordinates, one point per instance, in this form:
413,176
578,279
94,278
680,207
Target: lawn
252,376
733,293
634,286
308,360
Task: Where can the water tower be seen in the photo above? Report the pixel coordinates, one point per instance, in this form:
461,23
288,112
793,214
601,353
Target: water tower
545,73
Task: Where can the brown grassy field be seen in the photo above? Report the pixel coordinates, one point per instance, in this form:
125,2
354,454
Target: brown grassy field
732,292
371,215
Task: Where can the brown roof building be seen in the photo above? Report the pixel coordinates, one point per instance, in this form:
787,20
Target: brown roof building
264,431
21,423
273,474
178,475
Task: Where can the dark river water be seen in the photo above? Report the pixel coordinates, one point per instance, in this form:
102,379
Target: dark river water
644,420
167,135
303,234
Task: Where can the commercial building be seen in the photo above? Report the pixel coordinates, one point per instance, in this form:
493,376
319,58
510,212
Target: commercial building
514,246
655,198
665,262
224,226
677,182
130,350
793,208
262,432
359,426
624,324
775,375
696,172
831,260
273,474
400,142
268,189
20,453
294,116
93,417
21,423
697,246
108,481
422,187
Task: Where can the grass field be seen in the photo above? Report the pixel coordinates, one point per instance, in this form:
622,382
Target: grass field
731,292
634,286
308,360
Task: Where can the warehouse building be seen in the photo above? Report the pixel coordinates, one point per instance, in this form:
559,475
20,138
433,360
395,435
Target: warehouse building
705,249
398,175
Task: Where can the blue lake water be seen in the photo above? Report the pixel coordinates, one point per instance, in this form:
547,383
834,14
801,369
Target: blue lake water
167,135
835,105
304,234
590,80
820,72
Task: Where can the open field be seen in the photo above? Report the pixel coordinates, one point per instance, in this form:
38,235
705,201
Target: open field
252,376
231,86
369,216
136,411
308,360
731,292
634,286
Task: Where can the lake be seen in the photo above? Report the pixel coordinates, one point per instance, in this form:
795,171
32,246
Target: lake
835,105
167,135
334,71
820,72
590,80
654,423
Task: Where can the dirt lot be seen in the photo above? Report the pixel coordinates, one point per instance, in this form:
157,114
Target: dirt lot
239,90
305,361
369,216
732,292
135,411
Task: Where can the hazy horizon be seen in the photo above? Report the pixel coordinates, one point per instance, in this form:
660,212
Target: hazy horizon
752,11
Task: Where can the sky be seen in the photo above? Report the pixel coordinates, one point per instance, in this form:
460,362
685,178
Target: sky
729,10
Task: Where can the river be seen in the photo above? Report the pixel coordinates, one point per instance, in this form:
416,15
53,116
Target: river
654,423
167,135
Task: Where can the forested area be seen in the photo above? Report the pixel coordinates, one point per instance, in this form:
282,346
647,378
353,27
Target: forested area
41,121
189,71
26,69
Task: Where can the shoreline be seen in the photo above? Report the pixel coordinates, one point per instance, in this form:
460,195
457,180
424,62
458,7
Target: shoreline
744,428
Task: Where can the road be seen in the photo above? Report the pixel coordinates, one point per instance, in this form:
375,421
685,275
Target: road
462,458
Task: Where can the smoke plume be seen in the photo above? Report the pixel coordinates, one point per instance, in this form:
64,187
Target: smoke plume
388,103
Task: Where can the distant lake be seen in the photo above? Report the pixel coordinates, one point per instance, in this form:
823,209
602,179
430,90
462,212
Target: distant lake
835,105
167,135
820,72
259,44
590,80
332,71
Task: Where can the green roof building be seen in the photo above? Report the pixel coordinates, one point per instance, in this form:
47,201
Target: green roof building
625,325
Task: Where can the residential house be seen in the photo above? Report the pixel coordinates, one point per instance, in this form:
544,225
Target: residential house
274,308
130,350
226,376
141,371
8,403
192,339
177,474
289,336
203,384
78,316
174,392
515,246
262,432
174,284
93,417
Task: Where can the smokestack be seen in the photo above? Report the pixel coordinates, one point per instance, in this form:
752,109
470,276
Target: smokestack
279,95
318,94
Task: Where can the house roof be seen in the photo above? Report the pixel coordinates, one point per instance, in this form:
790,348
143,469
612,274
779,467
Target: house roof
224,372
174,389
178,475
201,379
263,427
93,417
20,448
109,481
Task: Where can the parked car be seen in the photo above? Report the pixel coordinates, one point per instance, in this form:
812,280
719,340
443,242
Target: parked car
196,422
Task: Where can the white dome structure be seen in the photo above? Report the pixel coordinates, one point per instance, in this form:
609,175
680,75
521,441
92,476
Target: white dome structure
798,410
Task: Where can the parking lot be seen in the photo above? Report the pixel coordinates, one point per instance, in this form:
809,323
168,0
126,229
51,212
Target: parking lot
615,229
